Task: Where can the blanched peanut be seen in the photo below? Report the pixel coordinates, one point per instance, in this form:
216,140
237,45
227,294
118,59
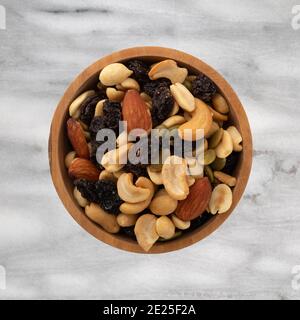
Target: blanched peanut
225,178
165,227
220,103
180,224
162,204
225,147
126,220
114,73
130,83
107,221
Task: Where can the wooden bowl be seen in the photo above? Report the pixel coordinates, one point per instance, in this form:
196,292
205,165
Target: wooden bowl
59,146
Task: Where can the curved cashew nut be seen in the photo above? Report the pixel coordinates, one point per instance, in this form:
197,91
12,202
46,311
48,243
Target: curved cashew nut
236,138
129,192
225,147
155,177
174,172
201,119
75,105
114,95
111,159
168,69
134,208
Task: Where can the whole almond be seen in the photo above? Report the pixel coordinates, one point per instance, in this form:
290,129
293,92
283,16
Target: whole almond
83,169
196,202
77,139
135,112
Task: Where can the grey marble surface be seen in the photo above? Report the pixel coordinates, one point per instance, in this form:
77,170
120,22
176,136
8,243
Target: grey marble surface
45,253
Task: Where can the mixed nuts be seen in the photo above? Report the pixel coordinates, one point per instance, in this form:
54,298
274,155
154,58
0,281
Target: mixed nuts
144,200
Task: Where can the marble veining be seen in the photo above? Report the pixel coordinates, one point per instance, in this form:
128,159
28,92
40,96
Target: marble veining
45,253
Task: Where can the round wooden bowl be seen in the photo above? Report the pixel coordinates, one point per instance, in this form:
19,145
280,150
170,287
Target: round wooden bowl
59,146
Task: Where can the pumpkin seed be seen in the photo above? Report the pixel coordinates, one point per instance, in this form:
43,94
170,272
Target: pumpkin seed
215,139
218,164
209,173
187,84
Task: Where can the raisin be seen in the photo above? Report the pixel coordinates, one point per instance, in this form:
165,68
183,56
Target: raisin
138,169
152,85
108,197
140,70
162,104
96,124
200,221
102,192
112,115
87,108
203,88
231,162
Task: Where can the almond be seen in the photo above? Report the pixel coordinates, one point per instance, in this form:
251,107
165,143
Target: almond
83,169
196,202
77,138
135,112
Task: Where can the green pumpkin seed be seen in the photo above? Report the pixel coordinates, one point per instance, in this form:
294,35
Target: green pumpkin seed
218,164
209,156
209,173
215,139
187,84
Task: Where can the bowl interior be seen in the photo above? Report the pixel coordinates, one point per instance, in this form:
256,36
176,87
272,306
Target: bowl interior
59,145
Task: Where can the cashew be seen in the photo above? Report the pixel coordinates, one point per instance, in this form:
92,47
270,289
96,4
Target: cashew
107,221
75,105
115,95
126,220
133,208
221,199
225,147
145,231
175,109
79,198
165,227
214,127
225,178
105,175
114,73
236,138
122,139
113,160
70,156
129,192
201,119
173,121
162,204
130,83
183,97
220,103
180,224
168,69
99,108
217,116
174,177
155,176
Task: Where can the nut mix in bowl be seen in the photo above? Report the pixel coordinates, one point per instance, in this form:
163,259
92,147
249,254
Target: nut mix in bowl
145,200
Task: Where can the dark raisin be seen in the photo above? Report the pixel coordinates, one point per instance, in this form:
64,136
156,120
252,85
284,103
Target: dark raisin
108,197
112,115
203,88
162,104
138,169
111,106
200,221
231,162
94,146
96,124
102,192
87,189
140,70
152,85
129,231
87,108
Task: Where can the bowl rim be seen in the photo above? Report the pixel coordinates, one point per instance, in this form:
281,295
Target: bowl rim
57,164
